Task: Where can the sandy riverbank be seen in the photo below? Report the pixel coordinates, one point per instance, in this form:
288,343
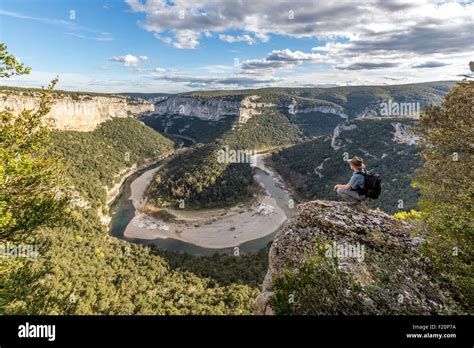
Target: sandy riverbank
221,228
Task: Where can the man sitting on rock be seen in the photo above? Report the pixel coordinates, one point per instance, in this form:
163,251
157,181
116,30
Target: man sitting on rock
353,191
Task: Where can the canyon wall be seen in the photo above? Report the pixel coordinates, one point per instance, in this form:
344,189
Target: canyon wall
216,108
212,109
73,111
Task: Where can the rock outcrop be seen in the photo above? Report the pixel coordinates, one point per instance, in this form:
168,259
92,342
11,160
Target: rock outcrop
250,107
337,132
403,135
80,112
383,261
323,109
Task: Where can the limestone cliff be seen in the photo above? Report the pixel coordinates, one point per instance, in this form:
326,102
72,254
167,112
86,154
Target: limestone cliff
325,109
76,111
244,108
384,274
212,109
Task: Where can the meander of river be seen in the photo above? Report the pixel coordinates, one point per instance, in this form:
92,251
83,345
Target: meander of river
123,211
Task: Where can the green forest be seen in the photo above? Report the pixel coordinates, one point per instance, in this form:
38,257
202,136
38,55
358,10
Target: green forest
83,270
197,177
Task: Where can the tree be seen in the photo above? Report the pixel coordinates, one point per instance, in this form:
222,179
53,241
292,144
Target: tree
31,194
9,65
30,175
446,183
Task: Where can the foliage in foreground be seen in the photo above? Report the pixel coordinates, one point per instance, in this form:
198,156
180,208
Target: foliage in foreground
317,287
86,271
446,183
32,194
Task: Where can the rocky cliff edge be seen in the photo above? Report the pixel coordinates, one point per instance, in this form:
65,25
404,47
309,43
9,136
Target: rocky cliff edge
379,253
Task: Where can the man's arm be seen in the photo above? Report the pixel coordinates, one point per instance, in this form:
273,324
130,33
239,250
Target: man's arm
352,184
344,187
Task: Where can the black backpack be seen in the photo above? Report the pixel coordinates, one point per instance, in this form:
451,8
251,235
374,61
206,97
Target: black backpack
372,185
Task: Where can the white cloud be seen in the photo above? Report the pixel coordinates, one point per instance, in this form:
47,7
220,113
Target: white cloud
208,82
239,38
129,59
186,39
167,40
411,26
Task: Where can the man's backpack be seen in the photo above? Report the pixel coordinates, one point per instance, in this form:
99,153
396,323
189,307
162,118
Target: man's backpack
372,185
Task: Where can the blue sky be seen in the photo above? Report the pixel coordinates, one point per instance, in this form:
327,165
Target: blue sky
164,46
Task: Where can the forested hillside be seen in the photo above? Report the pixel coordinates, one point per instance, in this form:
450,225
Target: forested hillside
86,271
95,159
355,100
202,131
269,129
305,118
200,181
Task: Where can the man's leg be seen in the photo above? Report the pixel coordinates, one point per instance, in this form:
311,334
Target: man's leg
349,196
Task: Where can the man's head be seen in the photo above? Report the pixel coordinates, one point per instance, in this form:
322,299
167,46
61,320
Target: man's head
356,163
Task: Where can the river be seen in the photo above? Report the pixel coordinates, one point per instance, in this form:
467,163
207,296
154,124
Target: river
124,214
